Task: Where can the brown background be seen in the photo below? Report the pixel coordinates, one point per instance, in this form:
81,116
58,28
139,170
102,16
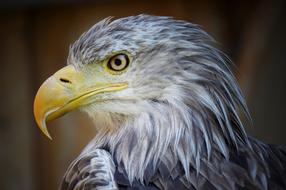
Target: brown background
34,40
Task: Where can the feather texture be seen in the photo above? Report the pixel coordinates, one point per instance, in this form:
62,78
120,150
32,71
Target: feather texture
179,124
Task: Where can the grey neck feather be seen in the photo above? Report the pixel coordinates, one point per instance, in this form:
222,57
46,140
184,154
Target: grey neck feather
185,130
195,115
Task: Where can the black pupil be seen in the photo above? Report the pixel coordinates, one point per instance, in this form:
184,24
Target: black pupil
117,62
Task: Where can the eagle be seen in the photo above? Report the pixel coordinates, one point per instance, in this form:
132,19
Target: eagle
168,111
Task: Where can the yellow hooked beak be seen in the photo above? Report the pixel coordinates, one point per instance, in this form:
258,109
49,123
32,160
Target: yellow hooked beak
67,90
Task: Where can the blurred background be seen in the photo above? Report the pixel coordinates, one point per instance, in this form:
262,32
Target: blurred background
34,42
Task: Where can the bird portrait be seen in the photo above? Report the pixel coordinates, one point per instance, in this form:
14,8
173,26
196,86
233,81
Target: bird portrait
168,111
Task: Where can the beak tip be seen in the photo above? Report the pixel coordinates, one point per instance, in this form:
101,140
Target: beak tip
44,129
40,114
48,135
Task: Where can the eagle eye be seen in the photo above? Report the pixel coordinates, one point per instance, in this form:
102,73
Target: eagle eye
118,63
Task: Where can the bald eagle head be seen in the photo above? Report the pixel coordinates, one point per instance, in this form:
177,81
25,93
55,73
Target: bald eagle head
156,88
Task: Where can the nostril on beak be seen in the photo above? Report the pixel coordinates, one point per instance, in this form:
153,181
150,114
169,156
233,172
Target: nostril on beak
65,80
